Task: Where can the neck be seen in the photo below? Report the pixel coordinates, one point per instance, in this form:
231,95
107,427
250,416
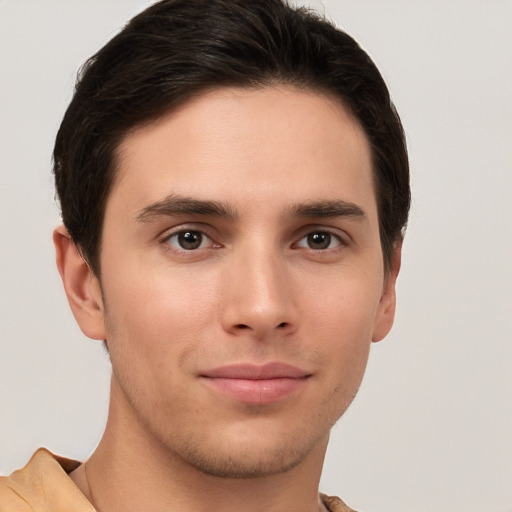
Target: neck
130,471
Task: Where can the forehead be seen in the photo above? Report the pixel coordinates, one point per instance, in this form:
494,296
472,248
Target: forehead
247,146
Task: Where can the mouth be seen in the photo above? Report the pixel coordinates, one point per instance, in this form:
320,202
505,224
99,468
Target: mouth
256,384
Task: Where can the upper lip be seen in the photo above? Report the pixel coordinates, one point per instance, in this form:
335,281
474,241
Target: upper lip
249,371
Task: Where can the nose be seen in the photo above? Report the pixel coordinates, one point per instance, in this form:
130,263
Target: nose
258,296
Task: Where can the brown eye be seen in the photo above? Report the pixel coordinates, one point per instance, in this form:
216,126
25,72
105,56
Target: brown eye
188,240
319,241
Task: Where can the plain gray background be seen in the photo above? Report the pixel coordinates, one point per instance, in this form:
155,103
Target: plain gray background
431,428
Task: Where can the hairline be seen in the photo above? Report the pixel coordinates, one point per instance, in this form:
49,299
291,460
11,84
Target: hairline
272,82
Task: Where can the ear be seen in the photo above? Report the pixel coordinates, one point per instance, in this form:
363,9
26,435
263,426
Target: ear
81,285
387,305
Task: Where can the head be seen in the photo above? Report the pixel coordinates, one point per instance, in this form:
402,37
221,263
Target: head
235,177
178,49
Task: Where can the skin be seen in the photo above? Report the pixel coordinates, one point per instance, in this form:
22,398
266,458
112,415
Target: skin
274,278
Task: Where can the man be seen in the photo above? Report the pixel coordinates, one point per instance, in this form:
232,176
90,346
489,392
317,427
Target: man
233,181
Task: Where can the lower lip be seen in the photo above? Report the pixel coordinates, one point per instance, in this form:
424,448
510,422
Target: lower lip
260,392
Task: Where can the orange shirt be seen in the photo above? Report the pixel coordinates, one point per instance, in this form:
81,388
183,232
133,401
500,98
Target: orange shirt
43,485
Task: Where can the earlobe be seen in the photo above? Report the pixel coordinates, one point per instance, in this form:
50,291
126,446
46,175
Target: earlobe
80,284
386,310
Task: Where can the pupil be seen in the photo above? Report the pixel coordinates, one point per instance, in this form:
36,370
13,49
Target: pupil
319,240
189,240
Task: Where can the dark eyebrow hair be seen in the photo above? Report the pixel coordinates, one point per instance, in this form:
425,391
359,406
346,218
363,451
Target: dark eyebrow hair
181,205
328,208
176,205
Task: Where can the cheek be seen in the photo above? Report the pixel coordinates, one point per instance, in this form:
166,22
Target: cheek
153,330
343,305
158,312
342,316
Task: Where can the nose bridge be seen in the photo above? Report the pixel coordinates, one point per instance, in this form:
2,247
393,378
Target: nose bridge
258,291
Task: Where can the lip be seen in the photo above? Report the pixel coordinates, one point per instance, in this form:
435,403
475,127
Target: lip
256,384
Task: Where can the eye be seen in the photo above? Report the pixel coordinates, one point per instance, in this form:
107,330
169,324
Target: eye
319,241
189,240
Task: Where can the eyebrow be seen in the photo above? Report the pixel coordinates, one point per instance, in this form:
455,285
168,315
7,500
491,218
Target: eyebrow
179,205
328,209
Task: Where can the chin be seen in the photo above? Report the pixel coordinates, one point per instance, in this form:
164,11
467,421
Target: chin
250,456
245,464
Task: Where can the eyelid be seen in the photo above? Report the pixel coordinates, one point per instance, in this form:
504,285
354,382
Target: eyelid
343,237
204,241
333,237
183,228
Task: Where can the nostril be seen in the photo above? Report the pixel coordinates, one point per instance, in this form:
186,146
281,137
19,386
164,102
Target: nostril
282,324
242,326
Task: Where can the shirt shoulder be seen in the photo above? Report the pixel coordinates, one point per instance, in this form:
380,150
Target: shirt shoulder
334,504
43,485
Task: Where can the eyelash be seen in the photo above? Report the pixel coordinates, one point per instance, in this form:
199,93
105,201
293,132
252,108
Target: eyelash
204,237
175,234
331,237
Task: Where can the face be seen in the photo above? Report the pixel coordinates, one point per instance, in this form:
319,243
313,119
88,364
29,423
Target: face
242,277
